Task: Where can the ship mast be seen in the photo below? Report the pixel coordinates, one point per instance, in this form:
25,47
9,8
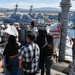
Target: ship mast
65,7
31,9
16,7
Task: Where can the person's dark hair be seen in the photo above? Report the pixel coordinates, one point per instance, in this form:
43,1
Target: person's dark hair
44,32
49,38
40,31
12,42
32,23
31,36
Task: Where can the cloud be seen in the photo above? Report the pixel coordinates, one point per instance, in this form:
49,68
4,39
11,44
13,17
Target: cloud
27,5
73,5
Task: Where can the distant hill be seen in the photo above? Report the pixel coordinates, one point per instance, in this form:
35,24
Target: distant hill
7,9
3,9
36,9
47,9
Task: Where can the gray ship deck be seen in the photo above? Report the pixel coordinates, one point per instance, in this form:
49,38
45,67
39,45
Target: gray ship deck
57,69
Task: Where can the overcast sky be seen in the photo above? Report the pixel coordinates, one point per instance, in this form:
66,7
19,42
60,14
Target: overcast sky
36,3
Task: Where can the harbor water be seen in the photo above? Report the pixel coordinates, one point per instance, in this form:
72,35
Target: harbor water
71,33
68,52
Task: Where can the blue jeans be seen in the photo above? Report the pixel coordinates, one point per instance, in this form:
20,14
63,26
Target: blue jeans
14,70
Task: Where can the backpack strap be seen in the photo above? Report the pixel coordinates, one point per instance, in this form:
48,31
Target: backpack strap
34,48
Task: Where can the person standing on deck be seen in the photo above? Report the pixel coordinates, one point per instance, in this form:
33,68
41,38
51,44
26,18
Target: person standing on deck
29,56
11,53
47,53
73,48
40,42
33,28
1,60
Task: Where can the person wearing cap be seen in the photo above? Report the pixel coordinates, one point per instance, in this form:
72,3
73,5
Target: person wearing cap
73,47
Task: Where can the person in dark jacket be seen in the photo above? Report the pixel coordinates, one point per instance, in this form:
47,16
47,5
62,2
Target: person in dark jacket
40,38
40,41
11,51
47,53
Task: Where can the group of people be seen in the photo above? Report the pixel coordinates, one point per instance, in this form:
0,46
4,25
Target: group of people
34,55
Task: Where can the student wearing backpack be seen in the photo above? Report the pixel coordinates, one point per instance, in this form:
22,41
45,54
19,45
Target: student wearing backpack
29,56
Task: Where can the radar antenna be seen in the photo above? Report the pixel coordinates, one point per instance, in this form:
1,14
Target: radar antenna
16,7
31,9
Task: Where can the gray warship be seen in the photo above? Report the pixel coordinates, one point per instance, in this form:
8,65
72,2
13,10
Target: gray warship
38,18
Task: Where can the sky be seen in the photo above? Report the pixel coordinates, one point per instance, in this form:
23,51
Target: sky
36,3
